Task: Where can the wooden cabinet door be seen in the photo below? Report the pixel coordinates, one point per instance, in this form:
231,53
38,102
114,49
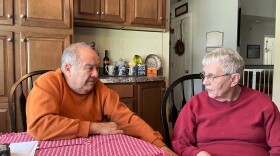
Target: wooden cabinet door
6,12
149,101
41,51
45,13
100,10
87,9
6,77
113,10
147,12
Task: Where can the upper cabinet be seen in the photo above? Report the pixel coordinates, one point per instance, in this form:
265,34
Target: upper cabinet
147,12
6,12
120,13
100,10
45,13
33,35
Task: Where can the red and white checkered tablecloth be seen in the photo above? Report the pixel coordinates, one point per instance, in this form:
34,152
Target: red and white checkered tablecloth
96,145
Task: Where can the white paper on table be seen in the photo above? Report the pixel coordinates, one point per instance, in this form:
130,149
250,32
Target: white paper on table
23,148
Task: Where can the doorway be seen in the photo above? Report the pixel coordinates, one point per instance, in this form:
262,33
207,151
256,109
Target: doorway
268,51
181,64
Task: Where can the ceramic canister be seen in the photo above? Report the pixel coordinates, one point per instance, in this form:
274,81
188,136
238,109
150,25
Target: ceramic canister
141,69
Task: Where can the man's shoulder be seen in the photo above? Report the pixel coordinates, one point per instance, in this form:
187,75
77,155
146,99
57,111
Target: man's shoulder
51,77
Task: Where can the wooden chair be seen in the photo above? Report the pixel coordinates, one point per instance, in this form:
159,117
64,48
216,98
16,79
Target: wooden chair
24,84
176,95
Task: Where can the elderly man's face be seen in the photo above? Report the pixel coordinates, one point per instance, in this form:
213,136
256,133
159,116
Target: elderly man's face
216,82
83,78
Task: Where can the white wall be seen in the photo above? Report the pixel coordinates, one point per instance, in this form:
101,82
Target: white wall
253,33
265,8
213,15
122,43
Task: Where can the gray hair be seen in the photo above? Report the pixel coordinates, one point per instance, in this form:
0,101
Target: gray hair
231,60
71,55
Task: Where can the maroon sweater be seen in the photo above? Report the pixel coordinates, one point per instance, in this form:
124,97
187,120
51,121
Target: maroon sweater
248,126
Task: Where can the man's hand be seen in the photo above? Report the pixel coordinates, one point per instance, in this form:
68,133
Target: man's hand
203,153
104,128
168,151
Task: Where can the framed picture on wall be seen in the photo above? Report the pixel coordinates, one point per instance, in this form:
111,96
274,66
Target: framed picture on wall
181,10
253,51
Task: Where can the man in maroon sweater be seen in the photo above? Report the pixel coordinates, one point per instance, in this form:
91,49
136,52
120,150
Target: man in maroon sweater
227,119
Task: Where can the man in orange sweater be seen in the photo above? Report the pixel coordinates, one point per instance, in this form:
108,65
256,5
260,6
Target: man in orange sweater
71,102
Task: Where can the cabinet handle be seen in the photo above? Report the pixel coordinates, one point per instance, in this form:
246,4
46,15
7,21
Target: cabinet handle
23,40
9,39
22,16
9,16
97,13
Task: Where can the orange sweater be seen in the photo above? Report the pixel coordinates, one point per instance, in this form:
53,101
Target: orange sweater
54,111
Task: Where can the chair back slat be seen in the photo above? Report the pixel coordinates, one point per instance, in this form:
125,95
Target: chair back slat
22,106
184,87
15,96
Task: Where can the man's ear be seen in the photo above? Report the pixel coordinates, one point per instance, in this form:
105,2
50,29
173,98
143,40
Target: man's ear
67,69
235,79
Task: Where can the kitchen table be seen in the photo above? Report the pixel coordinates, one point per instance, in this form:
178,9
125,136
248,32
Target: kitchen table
101,145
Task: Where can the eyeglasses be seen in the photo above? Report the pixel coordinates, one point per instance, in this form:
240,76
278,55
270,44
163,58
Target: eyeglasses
211,77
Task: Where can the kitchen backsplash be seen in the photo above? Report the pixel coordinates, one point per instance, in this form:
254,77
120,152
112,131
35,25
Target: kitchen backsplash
121,43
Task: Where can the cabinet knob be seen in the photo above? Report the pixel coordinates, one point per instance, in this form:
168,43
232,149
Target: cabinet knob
23,40
9,16
97,13
160,18
9,39
22,16
102,13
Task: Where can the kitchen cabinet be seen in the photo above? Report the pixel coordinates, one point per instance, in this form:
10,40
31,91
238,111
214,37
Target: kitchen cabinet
147,13
144,98
34,41
46,13
99,10
6,12
41,51
121,14
149,98
6,76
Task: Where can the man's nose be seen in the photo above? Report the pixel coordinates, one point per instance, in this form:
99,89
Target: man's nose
94,73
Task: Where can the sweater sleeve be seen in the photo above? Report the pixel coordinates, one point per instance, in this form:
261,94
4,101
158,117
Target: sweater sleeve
128,121
43,113
183,137
272,126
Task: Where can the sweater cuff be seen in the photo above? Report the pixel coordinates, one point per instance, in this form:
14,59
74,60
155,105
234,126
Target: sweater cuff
154,138
83,129
159,143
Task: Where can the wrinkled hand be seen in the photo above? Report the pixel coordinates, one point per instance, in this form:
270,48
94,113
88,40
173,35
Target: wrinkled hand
168,151
104,128
203,153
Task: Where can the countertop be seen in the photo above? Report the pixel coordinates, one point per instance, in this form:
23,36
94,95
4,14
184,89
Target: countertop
129,79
